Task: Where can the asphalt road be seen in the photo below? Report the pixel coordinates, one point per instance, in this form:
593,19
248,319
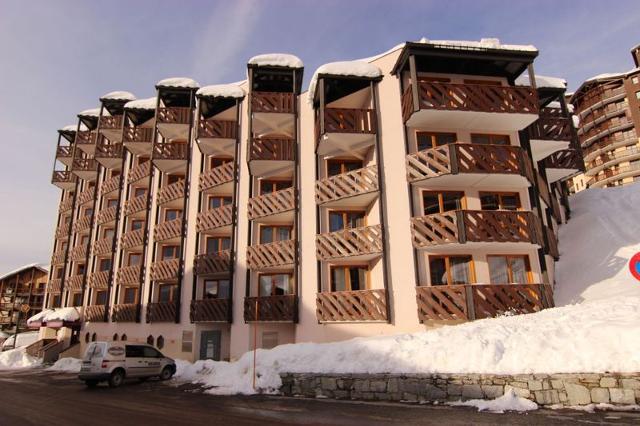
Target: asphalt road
46,398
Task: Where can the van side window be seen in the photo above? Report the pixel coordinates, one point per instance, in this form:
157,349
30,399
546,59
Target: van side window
151,353
134,351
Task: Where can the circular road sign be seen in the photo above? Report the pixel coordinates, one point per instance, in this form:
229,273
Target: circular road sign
634,266
25,308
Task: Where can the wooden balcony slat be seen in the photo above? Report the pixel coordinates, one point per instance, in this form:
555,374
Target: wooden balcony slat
62,176
54,285
174,115
214,218
272,102
86,195
124,312
109,150
271,308
356,182
74,283
564,159
210,310
270,204
161,312
84,165
171,151
551,126
132,239
107,215
103,246
171,192
110,185
167,230
442,303
66,205
213,263
99,280
271,148
552,247
349,242
362,305
216,176
350,120
78,253
83,223
220,129
140,171
129,275
110,122
64,151
428,163
62,231
86,137
280,253
58,256
135,205
138,134
165,270
94,313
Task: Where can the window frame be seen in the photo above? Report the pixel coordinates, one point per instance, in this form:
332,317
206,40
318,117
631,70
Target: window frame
344,213
166,213
447,257
527,264
219,244
222,199
342,162
463,199
290,283
274,182
347,277
274,225
432,135
491,137
217,281
172,293
500,194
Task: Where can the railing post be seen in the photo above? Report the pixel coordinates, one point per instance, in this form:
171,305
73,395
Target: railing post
453,158
471,309
462,235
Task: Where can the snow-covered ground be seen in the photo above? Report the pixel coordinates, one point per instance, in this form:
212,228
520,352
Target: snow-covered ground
507,402
16,359
594,329
69,365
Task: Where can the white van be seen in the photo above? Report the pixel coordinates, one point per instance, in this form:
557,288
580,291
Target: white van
114,362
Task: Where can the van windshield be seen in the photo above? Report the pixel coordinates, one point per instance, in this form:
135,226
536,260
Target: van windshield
94,350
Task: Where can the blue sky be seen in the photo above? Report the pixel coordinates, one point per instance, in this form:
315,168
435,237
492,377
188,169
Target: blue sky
59,57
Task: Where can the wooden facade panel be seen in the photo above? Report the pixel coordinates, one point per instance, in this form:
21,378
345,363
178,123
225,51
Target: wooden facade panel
271,308
350,120
219,129
272,102
214,218
281,253
174,115
210,310
272,148
270,204
349,242
356,182
344,306
165,270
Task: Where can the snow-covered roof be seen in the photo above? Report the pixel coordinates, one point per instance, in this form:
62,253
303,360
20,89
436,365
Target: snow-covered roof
39,317
69,128
608,75
276,60
484,43
93,112
346,68
22,268
542,82
118,96
182,82
53,315
222,90
147,103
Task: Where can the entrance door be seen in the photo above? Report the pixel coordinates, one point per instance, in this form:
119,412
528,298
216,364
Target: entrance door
210,344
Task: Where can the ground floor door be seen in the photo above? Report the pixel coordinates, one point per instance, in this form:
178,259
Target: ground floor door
210,344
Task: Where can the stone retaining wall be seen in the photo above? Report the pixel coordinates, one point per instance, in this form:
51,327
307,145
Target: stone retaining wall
544,389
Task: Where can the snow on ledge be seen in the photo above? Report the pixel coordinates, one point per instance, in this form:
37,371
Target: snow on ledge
221,91
39,317
147,103
542,81
118,96
276,60
346,68
181,82
69,128
484,43
93,112
61,314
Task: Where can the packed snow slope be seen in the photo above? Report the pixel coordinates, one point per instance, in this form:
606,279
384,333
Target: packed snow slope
596,329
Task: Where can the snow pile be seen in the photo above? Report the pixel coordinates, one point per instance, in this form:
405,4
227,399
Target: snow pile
147,103
542,82
93,112
346,68
276,60
16,359
507,402
69,365
69,128
222,91
24,339
181,82
118,96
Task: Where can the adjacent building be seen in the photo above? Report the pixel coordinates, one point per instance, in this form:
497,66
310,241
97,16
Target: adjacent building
421,187
21,296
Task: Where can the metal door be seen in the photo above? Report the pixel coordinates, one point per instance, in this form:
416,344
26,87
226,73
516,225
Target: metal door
210,344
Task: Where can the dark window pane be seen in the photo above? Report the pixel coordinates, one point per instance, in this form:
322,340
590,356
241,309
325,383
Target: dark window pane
460,273
445,138
438,271
510,201
355,219
210,289
336,221
498,269
358,277
451,201
130,295
483,139
338,282
266,234
334,168
101,298
489,201
424,141
223,289
519,270
430,202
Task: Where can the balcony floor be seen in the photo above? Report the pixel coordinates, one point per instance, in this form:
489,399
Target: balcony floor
265,123
266,168
172,131
543,148
170,166
554,175
114,135
473,180
472,120
345,143
217,146
139,148
458,248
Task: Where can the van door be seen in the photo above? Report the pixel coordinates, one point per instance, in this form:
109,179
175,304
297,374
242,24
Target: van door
153,359
135,364
210,344
93,356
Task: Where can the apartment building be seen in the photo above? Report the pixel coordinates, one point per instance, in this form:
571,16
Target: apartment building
23,287
421,187
608,108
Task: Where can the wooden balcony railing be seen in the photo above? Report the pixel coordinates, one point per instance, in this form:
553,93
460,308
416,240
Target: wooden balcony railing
271,148
171,192
129,275
565,159
167,230
135,205
219,129
85,137
171,151
84,165
63,176
349,120
543,188
54,285
475,301
110,185
110,122
610,173
613,157
104,150
214,218
94,313
165,270
64,151
210,310
280,253
349,242
107,215
473,97
66,205
161,312
103,246
132,239
174,115
552,246
463,226
58,256
62,231
282,102
216,176
83,223
86,195
468,158
356,182
140,171
362,305
213,263
273,203
99,279
551,128
271,308
124,312
555,209
138,135
74,283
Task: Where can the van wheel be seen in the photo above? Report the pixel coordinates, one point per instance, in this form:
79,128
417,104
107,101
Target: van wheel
116,379
166,373
91,383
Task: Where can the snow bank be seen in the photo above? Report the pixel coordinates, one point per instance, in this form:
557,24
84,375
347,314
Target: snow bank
222,91
276,60
542,81
69,365
24,339
118,96
507,402
182,82
346,68
93,112
16,359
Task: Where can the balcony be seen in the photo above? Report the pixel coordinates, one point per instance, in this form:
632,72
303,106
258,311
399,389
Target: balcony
613,174
277,206
272,102
360,244
469,165
357,188
161,312
476,226
125,313
139,172
271,309
110,185
172,195
170,157
132,239
58,256
137,206
218,219
111,127
552,243
345,129
107,215
75,282
86,196
562,164
138,140
94,313
469,106
83,224
165,270
64,154
217,137
63,179
214,263
550,133
99,280
218,179
54,285
79,253
66,204
269,155
352,306
129,275
86,141
168,231
174,122
110,155
606,160
476,301
210,310
103,246
62,231
85,168
272,255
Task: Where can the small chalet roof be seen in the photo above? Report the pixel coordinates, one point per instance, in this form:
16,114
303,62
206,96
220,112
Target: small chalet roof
118,96
343,68
147,103
543,82
24,268
483,44
222,91
605,77
93,112
69,128
284,60
178,82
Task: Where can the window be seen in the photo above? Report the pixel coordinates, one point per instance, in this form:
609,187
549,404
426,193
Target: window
500,201
138,192
56,301
637,95
487,139
108,233
217,244
101,297
84,239
134,259
274,284
442,201
509,269
270,186
187,341
274,233
59,272
112,203
80,269
167,292
174,178
216,289
269,339
449,270
137,224
160,342
150,340
151,352
104,265
134,351
218,201
172,214
88,212
336,167
339,220
94,337
115,337
123,338
427,140
130,295
170,252
217,162
349,278
76,299
634,80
